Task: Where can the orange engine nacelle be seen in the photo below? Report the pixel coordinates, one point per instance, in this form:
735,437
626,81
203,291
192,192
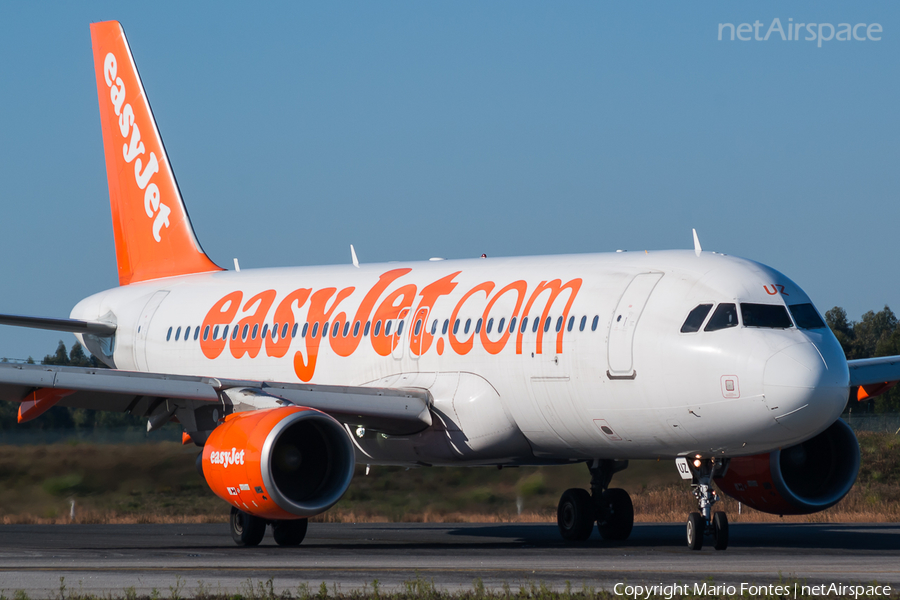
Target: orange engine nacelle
799,480
280,463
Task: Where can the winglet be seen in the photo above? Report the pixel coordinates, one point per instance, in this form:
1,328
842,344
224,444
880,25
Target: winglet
153,234
353,256
697,248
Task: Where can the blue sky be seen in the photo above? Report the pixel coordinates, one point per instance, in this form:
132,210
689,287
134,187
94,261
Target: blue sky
419,129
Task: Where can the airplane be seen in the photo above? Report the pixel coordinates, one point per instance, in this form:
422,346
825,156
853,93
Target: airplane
287,377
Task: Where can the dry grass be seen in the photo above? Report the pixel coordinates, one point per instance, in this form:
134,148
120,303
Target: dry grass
158,483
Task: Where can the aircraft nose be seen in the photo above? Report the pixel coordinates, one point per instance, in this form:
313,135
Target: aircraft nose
804,391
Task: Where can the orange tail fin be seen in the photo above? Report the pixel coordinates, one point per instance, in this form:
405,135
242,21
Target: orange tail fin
153,233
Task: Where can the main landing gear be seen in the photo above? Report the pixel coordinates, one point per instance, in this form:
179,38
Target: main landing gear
247,530
704,523
611,509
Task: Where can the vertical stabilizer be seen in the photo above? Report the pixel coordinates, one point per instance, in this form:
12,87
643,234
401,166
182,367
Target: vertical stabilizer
153,233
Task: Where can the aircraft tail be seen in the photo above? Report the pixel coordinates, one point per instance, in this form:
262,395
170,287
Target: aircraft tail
153,233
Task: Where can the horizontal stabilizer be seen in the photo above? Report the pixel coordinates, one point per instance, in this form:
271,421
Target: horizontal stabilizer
71,325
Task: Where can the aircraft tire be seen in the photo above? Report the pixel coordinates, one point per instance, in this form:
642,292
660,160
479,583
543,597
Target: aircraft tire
695,531
246,530
575,515
615,517
720,530
289,533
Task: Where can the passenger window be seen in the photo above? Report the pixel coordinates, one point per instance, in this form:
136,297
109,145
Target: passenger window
595,322
583,323
478,326
356,329
725,316
524,325
469,324
806,316
695,318
234,332
387,327
559,323
245,331
418,328
284,329
187,333
315,329
400,327
169,335
571,324
377,328
366,330
324,330
255,331
274,333
215,331
500,325
225,332
455,326
770,316
512,325
547,324
264,331
490,324
177,333
335,329
434,327
537,325
445,327
196,333
206,333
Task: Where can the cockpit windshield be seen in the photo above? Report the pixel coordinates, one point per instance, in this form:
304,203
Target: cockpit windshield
773,316
695,318
806,316
724,317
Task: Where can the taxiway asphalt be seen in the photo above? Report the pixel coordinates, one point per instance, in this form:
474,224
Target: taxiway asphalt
110,558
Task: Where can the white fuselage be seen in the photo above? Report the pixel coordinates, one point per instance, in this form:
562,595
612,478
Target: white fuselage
615,378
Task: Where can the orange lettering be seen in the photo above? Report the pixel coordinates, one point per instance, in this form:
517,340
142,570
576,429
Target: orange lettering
495,347
464,347
346,345
222,313
419,343
305,369
249,329
398,301
284,322
555,287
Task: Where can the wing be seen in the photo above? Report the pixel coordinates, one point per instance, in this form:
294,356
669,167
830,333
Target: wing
874,376
160,396
71,325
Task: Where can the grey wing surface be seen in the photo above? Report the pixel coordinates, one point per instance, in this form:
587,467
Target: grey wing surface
390,410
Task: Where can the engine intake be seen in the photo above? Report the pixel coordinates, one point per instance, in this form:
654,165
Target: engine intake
799,480
280,463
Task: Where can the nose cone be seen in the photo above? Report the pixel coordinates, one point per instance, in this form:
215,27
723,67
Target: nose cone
806,389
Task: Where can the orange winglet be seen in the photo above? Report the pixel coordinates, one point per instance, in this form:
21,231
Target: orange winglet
867,392
40,401
186,438
153,234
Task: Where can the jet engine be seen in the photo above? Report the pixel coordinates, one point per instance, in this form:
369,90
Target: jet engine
280,463
799,480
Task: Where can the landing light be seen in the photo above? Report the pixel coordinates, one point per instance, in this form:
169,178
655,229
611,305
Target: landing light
697,463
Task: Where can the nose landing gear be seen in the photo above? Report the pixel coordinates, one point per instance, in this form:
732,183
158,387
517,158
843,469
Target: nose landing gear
703,523
611,509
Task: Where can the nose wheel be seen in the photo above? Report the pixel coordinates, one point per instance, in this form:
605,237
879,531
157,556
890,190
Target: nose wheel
704,523
610,508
